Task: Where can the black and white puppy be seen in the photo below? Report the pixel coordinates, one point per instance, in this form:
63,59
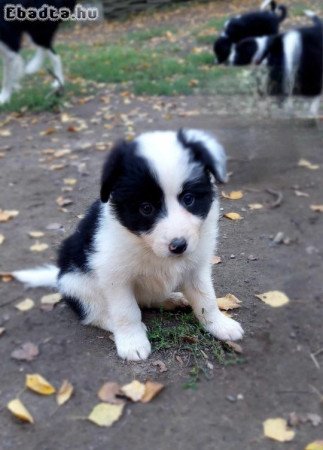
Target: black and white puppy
149,238
294,60
42,33
252,24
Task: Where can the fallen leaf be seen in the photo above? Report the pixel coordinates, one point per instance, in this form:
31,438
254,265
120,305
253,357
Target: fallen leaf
2,330
38,384
36,234
216,260
62,201
227,302
233,216
70,181
5,133
317,208
278,430
6,277
2,238
305,163
60,153
151,391
39,247
274,298
47,132
134,390
160,365
255,206
234,346
6,214
64,393
316,445
51,299
105,414
26,352
301,194
233,195
25,305
109,392
17,408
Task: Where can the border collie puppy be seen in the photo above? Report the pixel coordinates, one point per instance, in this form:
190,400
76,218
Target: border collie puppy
294,60
149,238
252,24
42,34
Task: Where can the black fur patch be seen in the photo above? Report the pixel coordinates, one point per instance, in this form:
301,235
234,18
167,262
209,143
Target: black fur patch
76,306
203,193
75,250
244,52
131,183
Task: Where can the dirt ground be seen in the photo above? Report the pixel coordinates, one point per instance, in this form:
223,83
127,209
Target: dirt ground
276,374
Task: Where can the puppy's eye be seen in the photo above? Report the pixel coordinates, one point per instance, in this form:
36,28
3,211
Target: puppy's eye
188,199
146,209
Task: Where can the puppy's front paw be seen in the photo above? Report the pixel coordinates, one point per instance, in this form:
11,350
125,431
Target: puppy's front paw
225,328
133,347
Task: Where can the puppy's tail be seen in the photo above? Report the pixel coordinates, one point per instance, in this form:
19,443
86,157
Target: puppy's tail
283,12
313,16
40,276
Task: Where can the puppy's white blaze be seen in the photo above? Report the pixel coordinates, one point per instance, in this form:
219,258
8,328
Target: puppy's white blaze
232,56
292,45
40,276
261,47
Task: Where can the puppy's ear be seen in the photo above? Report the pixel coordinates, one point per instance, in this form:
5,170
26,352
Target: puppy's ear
113,168
206,149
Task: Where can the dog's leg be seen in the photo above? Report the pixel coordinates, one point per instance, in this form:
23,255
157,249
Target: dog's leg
18,70
36,62
9,58
315,106
57,69
125,322
200,293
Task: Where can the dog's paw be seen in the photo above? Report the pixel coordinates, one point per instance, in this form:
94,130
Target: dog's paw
4,98
225,328
133,348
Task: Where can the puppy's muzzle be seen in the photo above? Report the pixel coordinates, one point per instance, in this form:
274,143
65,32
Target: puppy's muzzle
178,246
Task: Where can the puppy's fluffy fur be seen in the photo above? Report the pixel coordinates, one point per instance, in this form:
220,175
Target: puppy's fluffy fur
149,238
253,24
42,33
294,60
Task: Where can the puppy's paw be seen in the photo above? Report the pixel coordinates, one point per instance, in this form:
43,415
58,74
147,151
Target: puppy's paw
134,347
4,98
225,328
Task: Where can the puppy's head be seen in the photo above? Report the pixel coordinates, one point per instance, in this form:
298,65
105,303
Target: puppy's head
160,187
222,48
249,51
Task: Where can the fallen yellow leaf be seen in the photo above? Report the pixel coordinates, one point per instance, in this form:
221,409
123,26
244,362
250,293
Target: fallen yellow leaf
229,301
109,393
151,391
255,206
70,181
25,305
17,408
38,384
36,234
278,430
274,298
5,133
233,195
305,163
64,393
39,247
6,214
105,414
2,238
216,260
316,445
234,346
233,216
317,208
134,390
51,299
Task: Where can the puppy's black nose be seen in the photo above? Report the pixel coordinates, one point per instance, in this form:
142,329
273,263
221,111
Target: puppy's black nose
178,246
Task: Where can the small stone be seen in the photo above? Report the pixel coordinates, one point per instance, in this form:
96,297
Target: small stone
232,256
231,398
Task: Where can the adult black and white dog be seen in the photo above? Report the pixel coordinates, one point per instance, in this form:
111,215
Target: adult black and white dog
42,33
252,24
294,60
149,238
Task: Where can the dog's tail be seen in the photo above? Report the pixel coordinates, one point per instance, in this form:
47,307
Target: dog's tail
45,276
274,7
283,12
313,16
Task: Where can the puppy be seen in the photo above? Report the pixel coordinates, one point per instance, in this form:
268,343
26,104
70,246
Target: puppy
253,24
294,60
149,238
42,33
